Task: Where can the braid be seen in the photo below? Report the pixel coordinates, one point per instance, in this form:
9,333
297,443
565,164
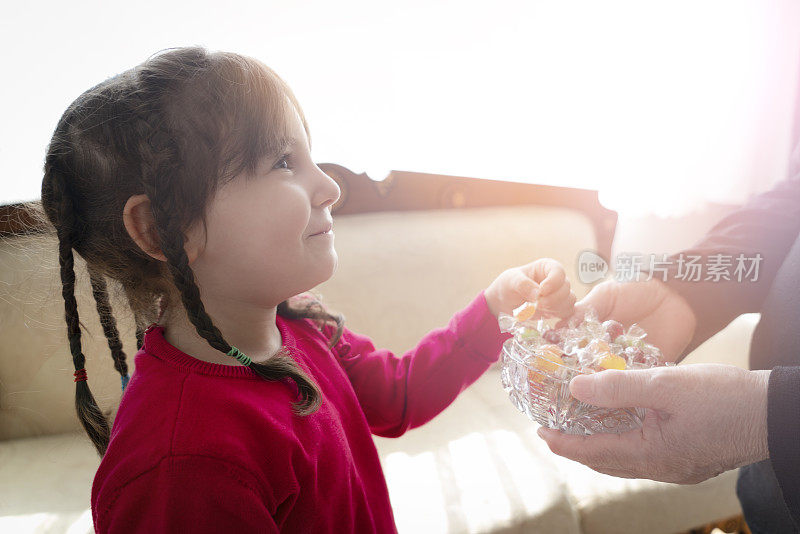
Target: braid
316,312
183,277
55,191
139,337
100,292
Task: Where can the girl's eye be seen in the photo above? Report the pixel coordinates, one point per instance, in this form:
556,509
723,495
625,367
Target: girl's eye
282,163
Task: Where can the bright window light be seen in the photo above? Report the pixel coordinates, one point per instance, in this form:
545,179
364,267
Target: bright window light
661,106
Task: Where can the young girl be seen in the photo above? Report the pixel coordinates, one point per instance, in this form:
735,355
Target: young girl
189,180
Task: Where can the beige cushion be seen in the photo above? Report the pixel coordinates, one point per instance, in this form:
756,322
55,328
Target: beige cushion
45,484
37,392
609,505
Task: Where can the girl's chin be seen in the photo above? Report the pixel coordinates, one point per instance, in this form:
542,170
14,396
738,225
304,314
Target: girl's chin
325,269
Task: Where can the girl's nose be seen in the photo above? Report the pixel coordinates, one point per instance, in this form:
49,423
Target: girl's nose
327,192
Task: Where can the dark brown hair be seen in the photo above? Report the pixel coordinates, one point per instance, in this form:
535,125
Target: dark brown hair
174,128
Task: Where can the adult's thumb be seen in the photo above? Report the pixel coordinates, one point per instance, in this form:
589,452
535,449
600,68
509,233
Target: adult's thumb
614,389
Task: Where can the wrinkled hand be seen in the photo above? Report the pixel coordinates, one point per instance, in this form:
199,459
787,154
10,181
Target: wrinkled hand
701,420
664,315
544,279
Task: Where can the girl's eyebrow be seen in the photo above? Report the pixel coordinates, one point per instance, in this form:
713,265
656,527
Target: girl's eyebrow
282,148
287,144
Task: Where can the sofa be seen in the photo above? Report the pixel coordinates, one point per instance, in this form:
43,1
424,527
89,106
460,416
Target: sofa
413,249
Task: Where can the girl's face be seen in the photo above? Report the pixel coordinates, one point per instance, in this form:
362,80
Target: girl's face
269,236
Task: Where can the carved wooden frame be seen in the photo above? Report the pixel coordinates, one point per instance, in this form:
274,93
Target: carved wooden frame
410,191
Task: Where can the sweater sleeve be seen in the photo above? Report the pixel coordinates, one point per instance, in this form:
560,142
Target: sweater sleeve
783,433
767,225
400,393
187,493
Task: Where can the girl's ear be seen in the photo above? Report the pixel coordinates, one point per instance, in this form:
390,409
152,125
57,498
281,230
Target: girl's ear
137,216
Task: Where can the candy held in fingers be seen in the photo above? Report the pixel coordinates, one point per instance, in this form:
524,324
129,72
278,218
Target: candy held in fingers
525,312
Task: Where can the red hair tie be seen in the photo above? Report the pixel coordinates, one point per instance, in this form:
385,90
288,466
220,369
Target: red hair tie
80,375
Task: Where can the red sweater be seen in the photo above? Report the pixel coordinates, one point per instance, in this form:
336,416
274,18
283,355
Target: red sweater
202,447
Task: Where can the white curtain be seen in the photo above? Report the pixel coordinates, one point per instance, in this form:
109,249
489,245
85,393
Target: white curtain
662,106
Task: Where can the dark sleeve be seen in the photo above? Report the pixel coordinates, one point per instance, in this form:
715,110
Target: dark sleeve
765,226
783,426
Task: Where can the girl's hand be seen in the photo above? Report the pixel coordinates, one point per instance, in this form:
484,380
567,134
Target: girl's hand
543,279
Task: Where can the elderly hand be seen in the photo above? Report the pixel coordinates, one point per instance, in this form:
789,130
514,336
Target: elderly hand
544,279
701,420
664,315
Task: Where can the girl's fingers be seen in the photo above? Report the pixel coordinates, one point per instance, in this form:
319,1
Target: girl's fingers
569,306
555,279
560,303
547,272
553,300
526,288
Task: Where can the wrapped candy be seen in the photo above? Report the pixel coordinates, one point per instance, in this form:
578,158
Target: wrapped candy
539,362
